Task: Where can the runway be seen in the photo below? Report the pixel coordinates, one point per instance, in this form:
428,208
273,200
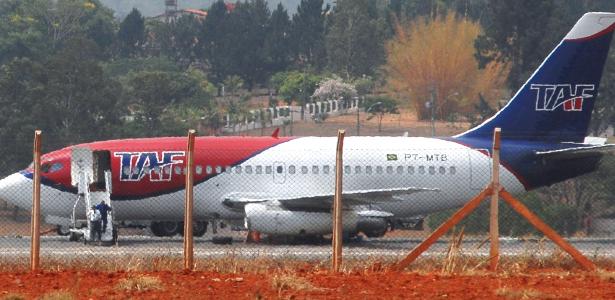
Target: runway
384,248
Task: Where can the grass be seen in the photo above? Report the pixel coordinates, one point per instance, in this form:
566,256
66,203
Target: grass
511,293
291,282
139,283
454,260
13,296
58,295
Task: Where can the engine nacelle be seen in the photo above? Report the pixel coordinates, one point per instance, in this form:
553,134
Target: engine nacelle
275,220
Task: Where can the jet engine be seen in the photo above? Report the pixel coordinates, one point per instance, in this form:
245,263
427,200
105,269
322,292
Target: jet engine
273,219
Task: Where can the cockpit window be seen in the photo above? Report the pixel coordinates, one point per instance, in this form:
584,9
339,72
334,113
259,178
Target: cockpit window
51,167
56,167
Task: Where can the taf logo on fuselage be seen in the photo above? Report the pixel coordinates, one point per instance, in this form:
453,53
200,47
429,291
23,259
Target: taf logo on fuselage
134,166
550,97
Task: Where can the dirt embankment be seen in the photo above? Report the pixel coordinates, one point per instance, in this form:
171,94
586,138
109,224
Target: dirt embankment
301,284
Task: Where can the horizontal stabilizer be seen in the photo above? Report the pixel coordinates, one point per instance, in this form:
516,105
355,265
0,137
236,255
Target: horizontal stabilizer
577,152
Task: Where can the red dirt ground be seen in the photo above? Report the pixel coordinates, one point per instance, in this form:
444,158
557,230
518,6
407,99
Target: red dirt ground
301,284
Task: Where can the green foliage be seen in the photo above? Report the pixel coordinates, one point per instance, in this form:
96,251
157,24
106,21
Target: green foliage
308,33
355,39
277,50
378,106
131,35
298,86
559,216
152,93
123,66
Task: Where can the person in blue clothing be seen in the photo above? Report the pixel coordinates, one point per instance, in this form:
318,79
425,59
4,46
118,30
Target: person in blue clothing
103,208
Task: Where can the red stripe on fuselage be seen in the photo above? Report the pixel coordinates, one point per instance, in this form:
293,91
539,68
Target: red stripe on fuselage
209,151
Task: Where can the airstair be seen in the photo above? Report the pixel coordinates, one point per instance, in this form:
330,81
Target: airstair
91,175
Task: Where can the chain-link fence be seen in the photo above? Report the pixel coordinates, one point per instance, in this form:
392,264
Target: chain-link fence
268,198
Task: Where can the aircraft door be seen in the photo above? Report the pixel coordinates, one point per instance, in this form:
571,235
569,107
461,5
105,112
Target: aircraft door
480,168
279,172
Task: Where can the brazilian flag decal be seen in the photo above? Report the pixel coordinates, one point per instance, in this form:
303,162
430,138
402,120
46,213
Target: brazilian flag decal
391,156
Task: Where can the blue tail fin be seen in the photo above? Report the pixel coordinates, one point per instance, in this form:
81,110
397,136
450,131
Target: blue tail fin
556,103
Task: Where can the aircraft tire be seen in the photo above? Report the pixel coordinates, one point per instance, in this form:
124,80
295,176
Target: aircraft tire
198,229
170,228
62,230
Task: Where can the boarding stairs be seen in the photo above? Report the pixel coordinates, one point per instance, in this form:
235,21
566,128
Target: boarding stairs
91,175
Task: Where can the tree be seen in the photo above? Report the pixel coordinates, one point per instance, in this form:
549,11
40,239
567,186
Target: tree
378,106
298,86
277,46
214,41
153,92
131,35
354,42
334,88
521,41
308,32
248,24
436,56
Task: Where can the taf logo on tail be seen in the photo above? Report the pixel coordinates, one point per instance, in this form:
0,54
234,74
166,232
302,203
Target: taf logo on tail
570,97
135,165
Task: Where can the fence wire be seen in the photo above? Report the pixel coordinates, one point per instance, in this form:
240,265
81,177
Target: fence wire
394,197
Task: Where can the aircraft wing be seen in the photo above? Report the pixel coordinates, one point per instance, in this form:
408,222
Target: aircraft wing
324,201
578,152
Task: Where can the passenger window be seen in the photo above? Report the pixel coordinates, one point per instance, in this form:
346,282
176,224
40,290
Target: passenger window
411,170
452,170
400,170
208,169
178,170
422,170
314,169
268,169
249,170
368,169
325,169
347,169
45,168
126,170
357,170
199,170
279,169
259,170
227,169
441,170
432,170
238,169
291,169
218,169
379,169
304,170
389,169
166,170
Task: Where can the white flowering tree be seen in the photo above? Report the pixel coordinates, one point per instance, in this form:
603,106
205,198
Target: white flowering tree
333,89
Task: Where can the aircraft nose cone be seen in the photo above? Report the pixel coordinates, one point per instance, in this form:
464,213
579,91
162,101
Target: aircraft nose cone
16,189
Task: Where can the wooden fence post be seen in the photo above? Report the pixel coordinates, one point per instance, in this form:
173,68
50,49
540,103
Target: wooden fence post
452,221
189,204
548,231
35,225
337,203
494,231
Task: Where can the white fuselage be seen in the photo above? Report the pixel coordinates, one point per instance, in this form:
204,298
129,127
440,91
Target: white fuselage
303,167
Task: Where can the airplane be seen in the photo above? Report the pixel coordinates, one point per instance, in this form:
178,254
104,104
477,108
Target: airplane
283,186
